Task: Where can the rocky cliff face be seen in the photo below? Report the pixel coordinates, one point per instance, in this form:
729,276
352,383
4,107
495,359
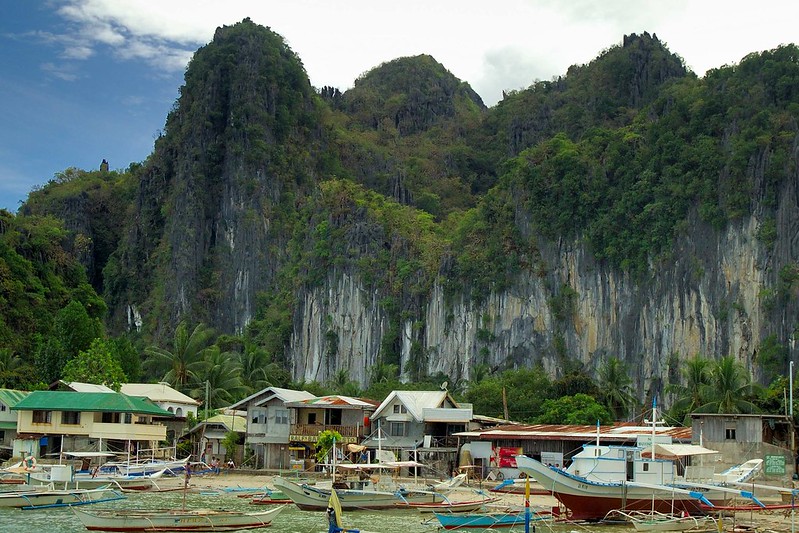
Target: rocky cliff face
227,208
707,297
207,234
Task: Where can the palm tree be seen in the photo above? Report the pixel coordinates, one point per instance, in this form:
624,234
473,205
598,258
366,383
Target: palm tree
222,374
694,393
181,364
254,363
615,383
730,385
342,384
9,364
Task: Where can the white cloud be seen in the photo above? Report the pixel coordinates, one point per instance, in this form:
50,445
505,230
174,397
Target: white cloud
64,72
338,41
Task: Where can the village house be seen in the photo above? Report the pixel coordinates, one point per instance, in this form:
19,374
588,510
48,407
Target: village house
421,426
210,434
161,394
348,416
57,421
749,436
268,426
168,399
8,420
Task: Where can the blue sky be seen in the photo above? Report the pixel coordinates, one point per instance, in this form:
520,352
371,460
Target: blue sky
87,80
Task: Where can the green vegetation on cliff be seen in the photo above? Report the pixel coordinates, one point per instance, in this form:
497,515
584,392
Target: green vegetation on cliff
261,187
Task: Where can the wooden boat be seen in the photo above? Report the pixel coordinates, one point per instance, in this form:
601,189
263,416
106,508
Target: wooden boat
358,495
143,467
516,486
81,480
448,506
270,497
485,520
655,522
41,499
143,520
644,478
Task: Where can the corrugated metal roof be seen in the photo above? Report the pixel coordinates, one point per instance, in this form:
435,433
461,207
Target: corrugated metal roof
113,402
264,395
620,432
78,386
334,400
415,401
157,392
234,423
11,397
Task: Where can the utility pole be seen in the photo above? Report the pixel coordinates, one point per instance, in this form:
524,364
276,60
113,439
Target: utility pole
790,415
207,396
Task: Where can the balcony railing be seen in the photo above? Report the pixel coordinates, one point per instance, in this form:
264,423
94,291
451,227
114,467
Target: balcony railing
310,432
444,442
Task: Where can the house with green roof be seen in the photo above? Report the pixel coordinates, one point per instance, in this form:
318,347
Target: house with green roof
88,421
8,420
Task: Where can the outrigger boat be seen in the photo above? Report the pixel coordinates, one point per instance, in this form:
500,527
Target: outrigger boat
359,495
145,520
481,521
447,506
604,478
42,499
657,522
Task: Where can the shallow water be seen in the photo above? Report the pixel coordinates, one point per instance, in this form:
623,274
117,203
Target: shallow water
291,520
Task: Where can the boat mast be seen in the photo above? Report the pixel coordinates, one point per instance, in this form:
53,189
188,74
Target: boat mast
334,460
654,422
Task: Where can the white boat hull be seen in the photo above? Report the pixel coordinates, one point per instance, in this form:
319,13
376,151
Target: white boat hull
312,498
592,500
175,520
57,498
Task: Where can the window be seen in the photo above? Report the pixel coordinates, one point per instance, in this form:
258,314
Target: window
41,417
282,417
311,418
455,428
646,467
70,417
729,433
110,418
400,409
2,408
128,418
258,417
397,429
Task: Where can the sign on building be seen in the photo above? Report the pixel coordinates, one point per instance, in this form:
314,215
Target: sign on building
774,465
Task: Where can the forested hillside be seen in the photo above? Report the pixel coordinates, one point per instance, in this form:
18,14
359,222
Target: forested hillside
602,227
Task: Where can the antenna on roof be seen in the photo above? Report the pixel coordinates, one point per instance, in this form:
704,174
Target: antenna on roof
445,385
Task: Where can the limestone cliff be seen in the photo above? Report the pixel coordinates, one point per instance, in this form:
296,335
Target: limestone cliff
707,297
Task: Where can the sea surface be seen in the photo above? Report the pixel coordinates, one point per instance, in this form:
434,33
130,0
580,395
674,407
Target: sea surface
291,520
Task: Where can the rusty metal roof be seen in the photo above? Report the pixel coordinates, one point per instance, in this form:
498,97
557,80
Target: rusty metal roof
620,432
335,401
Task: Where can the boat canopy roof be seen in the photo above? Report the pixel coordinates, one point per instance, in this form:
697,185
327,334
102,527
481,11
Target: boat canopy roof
679,450
377,466
90,454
